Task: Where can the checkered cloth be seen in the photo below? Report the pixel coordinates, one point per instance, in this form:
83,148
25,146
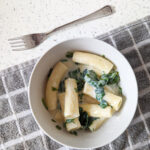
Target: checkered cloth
18,130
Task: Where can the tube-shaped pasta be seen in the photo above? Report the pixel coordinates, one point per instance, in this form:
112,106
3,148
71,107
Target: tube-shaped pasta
59,117
114,100
95,110
73,125
89,90
52,85
96,61
71,109
89,99
83,67
61,97
97,123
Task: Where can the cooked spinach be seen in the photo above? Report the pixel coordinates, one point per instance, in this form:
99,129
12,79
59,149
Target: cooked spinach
84,119
77,75
69,120
53,120
103,56
120,90
74,73
80,83
76,90
91,78
76,63
99,83
50,71
64,124
74,133
110,78
103,80
54,89
63,60
43,101
58,127
69,54
62,86
113,77
103,103
99,93
81,95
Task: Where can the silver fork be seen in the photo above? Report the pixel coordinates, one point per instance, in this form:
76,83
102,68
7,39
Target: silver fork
32,40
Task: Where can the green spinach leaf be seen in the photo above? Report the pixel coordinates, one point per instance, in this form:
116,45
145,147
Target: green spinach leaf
103,104
114,77
54,89
120,90
43,101
99,93
74,133
84,119
69,54
91,78
81,95
58,127
50,72
77,75
63,60
69,120
53,120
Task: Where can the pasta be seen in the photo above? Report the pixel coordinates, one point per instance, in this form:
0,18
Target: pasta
83,67
89,90
95,110
93,60
71,109
97,123
73,125
112,99
52,85
83,92
58,116
89,100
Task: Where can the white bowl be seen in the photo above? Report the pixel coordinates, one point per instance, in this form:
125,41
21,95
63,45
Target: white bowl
112,128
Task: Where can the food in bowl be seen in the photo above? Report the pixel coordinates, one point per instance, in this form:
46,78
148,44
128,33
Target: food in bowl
83,91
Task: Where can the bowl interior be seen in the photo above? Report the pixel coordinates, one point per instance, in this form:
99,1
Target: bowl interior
112,128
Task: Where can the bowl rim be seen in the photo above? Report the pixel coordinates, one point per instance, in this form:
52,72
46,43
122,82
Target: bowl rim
39,60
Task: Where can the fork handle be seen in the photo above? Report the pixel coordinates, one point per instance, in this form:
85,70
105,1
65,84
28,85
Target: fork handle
105,11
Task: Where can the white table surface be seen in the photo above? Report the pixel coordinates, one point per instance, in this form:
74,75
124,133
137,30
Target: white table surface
18,17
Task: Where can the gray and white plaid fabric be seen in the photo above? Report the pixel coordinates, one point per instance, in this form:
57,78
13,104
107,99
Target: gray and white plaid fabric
19,131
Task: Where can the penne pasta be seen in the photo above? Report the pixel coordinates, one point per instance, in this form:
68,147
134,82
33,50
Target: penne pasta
112,99
89,100
97,124
53,84
73,125
89,90
112,89
95,110
71,109
59,117
93,60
